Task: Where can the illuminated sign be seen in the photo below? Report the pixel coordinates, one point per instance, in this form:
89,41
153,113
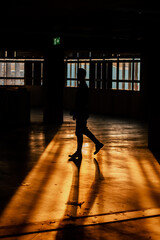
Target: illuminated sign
56,41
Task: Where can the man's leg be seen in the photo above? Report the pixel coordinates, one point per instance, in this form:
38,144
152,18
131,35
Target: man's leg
79,144
80,125
90,135
97,143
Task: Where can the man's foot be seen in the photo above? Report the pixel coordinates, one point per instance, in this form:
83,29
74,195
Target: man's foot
76,155
98,147
76,160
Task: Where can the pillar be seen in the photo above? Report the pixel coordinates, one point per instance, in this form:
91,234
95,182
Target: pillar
53,85
153,80
28,73
37,73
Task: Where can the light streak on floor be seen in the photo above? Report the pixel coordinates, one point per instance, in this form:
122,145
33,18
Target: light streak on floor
120,186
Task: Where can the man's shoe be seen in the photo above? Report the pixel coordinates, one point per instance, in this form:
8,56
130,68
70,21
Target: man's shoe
98,147
76,155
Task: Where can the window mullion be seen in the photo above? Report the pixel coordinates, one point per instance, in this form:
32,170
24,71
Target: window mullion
133,75
117,73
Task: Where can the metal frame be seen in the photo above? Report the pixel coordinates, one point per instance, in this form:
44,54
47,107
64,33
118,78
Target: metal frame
104,83
18,60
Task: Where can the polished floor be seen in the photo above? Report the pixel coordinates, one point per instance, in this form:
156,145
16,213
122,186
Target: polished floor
114,195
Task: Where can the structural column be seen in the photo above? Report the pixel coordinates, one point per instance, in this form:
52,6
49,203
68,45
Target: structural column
37,73
28,73
152,78
53,85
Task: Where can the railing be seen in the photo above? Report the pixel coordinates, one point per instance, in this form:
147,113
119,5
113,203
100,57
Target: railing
19,72
108,73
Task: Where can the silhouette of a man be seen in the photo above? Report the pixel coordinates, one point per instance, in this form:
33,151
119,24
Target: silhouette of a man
81,114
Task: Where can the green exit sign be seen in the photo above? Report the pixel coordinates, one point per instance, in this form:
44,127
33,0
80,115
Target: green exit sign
56,41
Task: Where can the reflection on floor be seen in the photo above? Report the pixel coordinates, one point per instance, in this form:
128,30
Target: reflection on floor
113,195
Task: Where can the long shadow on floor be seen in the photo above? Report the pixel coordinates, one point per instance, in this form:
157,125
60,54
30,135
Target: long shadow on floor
20,149
71,230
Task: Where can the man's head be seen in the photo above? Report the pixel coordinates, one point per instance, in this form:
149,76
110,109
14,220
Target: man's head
81,74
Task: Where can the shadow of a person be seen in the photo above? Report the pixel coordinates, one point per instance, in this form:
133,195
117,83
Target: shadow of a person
72,203
69,229
77,161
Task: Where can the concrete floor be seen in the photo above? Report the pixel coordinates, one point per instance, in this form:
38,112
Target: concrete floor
114,195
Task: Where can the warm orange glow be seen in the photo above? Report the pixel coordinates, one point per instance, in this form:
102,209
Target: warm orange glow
43,188
119,183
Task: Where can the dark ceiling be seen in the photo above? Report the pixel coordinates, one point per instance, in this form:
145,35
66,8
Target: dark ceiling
110,19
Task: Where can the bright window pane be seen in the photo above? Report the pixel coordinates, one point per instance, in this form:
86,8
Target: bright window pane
114,85
72,83
87,82
1,82
10,82
2,69
87,70
68,83
128,71
68,70
82,65
137,71
121,71
19,82
136,87
125,71
129,86
10,69
126,86
114,71
19,69
120,86
73,70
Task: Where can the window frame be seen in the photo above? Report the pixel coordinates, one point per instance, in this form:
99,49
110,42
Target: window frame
106,81
4,80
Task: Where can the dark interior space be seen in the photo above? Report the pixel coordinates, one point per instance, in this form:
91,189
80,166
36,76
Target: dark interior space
42,46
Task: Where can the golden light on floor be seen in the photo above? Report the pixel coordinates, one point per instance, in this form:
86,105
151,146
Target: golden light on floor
144,188
43,188
115,180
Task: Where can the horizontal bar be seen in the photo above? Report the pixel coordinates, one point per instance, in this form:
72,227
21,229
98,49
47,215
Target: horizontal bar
21,60
101,60
15,78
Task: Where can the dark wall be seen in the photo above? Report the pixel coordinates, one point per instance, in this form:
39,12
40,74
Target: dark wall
14,106
113,103
153,79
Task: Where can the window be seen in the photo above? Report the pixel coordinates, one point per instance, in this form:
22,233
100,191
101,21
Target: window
112,73
122,74
13,71
72,66
71,74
